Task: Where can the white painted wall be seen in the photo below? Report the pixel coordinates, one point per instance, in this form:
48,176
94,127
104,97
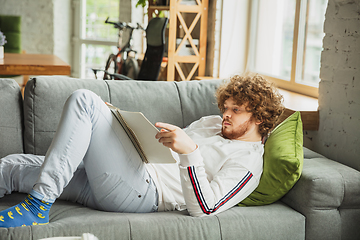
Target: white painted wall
62,29
338,137
45,25
137,16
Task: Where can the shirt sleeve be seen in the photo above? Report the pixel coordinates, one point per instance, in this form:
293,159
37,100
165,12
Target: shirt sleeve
229,186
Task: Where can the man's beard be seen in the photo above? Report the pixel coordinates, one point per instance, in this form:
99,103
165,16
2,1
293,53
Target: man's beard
237,132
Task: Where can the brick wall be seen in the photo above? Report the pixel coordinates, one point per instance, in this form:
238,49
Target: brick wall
338,137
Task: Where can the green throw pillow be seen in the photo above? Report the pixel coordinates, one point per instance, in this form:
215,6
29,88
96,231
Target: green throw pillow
283,162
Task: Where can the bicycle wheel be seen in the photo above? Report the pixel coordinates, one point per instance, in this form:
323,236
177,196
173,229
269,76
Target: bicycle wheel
131,68
111,66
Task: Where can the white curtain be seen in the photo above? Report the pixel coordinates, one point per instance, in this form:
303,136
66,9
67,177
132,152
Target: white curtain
234,35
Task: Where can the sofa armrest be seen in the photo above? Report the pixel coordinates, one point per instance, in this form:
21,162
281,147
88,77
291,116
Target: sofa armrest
324,191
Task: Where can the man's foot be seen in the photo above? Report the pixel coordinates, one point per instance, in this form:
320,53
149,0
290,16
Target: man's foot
31,211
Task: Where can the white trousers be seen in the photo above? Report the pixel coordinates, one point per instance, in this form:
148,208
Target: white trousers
90,161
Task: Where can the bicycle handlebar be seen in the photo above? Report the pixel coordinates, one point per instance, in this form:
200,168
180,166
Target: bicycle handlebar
122,25
140,27
119,25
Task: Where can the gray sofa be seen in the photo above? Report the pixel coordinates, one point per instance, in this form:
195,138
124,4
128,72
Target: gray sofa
324,204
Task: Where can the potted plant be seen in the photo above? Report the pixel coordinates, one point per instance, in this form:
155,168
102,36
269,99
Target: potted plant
142,3
2,43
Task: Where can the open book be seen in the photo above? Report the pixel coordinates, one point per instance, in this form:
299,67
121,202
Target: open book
142,134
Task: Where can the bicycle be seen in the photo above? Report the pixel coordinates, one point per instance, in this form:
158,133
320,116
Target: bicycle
122,62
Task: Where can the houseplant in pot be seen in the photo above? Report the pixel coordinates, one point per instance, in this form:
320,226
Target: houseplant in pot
2,43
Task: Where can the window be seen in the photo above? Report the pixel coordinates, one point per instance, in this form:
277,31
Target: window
286,42
93,40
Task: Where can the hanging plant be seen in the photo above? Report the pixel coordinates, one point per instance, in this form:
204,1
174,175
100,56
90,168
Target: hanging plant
141,3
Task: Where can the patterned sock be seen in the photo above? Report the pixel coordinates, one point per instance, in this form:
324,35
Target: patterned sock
31,211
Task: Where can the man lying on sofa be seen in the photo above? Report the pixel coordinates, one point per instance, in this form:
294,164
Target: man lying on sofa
92,161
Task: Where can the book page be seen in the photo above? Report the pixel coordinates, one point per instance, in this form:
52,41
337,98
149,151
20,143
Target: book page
145,132
131,135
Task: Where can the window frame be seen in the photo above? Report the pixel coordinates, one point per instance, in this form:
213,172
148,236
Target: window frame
297,48
78,40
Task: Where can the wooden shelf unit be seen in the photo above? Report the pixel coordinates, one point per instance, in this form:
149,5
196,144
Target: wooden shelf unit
176,20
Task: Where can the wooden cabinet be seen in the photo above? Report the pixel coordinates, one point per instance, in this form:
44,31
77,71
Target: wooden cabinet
186,39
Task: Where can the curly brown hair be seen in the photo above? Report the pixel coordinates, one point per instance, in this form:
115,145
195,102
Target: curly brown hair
261,96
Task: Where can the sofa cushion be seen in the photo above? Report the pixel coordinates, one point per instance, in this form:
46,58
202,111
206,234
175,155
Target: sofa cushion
275,221
71,219
11,118
178,103
157,100
44,100
198,99
283,162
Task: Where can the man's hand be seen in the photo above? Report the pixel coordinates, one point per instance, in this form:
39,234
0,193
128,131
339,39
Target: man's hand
175,138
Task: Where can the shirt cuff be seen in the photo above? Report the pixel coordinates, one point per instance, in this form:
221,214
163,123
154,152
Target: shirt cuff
192,159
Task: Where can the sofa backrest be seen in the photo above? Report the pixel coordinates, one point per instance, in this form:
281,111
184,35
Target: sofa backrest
11,118
178,103
44,98
197,99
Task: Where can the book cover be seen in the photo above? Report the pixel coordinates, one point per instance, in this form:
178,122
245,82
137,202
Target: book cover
142,133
